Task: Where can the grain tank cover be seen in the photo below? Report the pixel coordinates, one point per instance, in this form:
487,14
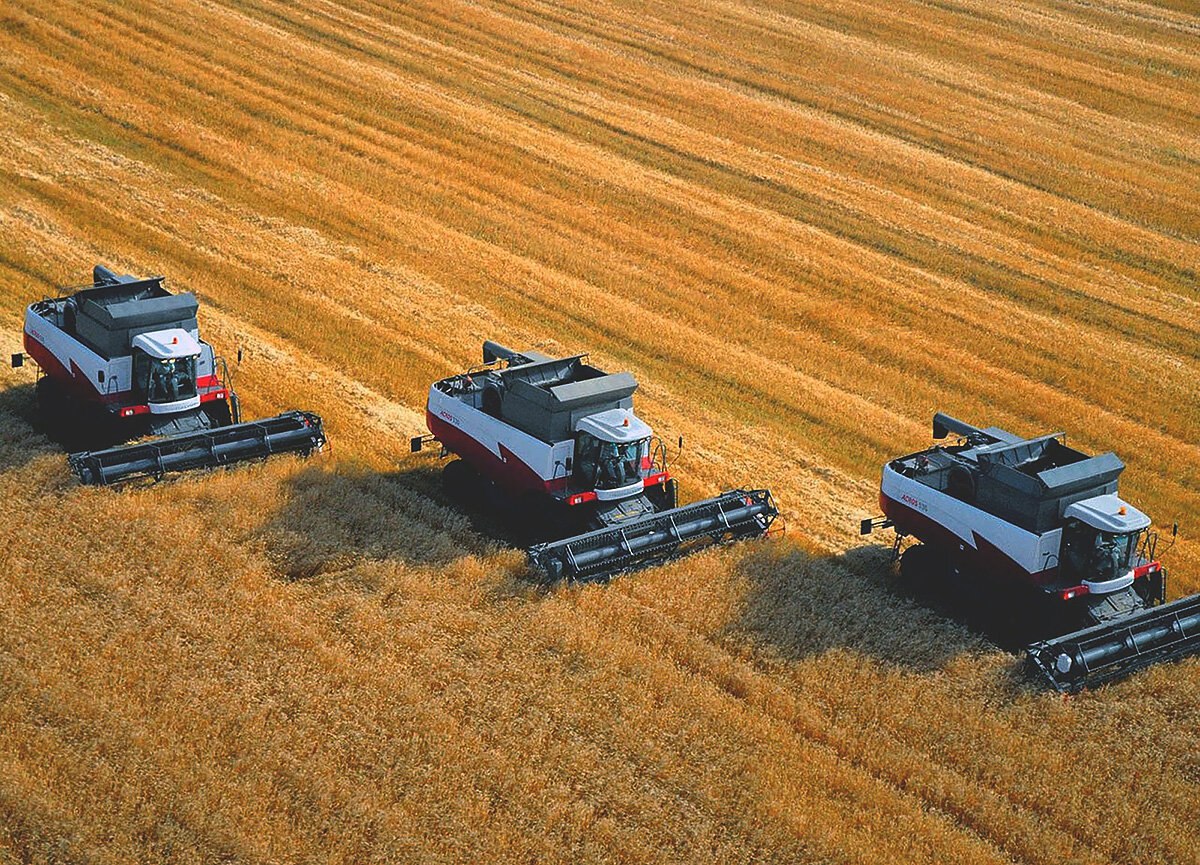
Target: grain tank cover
1030,482
1027,482
107,317
139,311
547,399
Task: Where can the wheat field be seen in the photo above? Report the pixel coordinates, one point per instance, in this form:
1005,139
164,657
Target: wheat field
805,225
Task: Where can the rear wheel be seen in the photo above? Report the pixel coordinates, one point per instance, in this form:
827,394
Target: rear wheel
74,425
461,483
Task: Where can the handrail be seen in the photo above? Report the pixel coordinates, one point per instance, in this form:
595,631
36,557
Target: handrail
658,455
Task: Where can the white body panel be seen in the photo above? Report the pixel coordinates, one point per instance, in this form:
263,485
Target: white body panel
620,492
1108,514
548,461
117,371
619,425
177,406
1109,585
1032,552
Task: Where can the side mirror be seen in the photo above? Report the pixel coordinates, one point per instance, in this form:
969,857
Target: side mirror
865,527
18,360
239,355
415,444
681,442
1174,529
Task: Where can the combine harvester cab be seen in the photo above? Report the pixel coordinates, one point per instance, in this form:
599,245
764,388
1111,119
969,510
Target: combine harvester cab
556,442
123,359
1037,513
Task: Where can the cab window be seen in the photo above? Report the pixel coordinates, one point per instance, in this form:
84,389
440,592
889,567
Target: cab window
604,465
165,380
1090,554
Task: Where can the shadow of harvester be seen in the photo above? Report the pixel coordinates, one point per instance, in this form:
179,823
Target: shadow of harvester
23,436
802,605
333,518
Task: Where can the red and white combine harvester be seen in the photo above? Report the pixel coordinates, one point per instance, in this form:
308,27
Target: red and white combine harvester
555,444
1037,514
123,359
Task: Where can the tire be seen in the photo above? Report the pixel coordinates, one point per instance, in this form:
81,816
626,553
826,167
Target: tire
460,482
51,402
219,413
921,566
72,425
961,485
1153,589
491,401
533,520
664,497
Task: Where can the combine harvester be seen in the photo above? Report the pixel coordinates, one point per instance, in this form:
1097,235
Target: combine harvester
123,359
1036,513
555,443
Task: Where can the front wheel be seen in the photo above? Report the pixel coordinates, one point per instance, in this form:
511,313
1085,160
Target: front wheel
74,425
536,518
1153,588
219,413
51,402
665,497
